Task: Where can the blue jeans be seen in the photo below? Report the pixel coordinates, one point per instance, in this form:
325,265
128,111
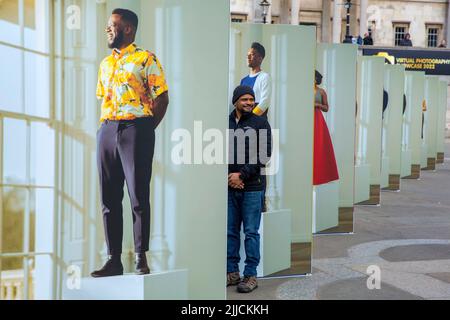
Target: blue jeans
244,207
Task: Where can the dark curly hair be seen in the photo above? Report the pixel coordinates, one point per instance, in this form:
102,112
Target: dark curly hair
127,16
318,78
258,47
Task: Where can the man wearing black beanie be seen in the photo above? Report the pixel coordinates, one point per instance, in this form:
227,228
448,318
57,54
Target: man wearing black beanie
250,150
240,91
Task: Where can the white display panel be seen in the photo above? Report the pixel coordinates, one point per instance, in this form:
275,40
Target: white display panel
412,124
337,64
189,201
368,129
290,60
394,84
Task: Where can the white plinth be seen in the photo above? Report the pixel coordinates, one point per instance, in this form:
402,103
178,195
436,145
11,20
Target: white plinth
275,243
384,172
406,163
325,206
424,157
170,285
362,183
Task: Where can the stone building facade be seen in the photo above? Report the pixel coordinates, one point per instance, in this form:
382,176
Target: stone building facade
388,20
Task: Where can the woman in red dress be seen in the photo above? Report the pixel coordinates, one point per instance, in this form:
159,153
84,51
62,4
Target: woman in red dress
325,168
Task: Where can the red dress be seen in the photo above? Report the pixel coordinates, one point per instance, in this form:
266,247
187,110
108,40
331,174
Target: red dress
325,168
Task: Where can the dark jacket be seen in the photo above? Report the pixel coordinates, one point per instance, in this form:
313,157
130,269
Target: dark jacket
359,41
368,41
405,43
245,155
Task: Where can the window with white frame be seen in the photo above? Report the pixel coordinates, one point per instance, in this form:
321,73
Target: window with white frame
275,19
400,30
27,146
238,17
433,34
372,26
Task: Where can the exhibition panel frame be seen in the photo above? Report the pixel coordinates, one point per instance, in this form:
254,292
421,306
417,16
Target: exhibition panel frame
442,118
334,201
412,124
394,85
368,130
190,199
431,122
290,60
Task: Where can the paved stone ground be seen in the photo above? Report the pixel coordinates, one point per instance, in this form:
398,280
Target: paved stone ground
407,238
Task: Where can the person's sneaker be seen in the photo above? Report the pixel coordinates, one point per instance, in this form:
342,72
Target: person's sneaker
112,267
247,285
233,278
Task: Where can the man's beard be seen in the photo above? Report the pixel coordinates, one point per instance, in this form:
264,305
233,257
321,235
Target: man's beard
244,111
117,42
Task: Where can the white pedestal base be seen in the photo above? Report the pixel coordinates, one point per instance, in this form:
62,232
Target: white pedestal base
362,183
424,157
325,206
384,172
170,285
406,163
275,243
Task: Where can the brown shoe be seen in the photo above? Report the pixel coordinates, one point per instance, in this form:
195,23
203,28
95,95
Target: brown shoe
113,267
141,264
233,278
247,285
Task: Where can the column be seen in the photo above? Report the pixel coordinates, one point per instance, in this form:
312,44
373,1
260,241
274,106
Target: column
337,22
284,11
295,11
9,291
448,23
326,21
251,12
363,18
269,13
354,12
159,246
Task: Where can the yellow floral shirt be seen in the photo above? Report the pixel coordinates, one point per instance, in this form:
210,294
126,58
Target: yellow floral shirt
128,83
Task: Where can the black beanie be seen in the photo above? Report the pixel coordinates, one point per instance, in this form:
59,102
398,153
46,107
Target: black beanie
242,90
